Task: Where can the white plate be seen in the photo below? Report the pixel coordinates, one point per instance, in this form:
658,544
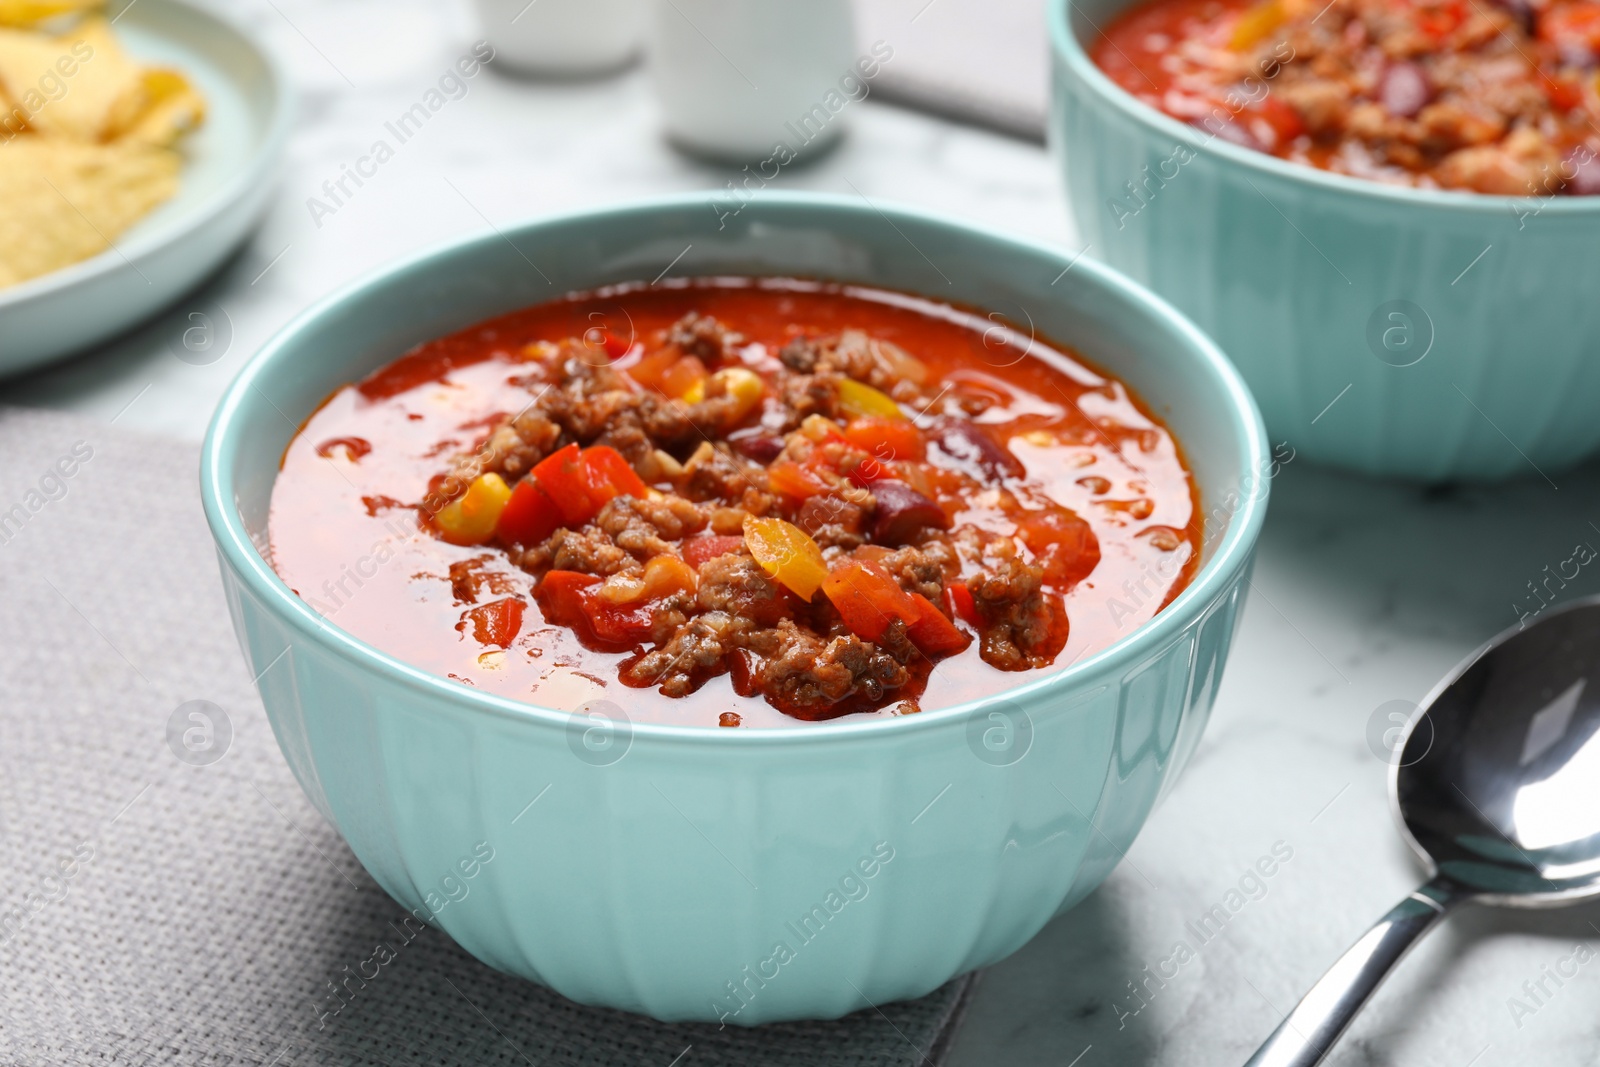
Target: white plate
230,167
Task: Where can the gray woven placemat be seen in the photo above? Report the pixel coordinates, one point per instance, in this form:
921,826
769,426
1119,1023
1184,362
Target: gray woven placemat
153,911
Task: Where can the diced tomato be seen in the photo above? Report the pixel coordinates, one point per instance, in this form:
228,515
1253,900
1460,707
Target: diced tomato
932,632
697,550
560,595
795,481
958,598
649,369
886,439
1440,20
608,475
530,515
494,623
561,475
570,599
1570,24
616,347
1562,94
868,598
1284,120
619,627
1063,542
683,375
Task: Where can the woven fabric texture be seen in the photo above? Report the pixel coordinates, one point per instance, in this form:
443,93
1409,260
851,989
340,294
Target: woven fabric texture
154,911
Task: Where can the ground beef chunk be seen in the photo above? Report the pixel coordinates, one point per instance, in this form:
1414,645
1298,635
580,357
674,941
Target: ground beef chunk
922,569
693,654
1020,624
802,670
714,472
808,394
644,527
800,355
736,584
511,450
853,354
589,550
704,337
833,521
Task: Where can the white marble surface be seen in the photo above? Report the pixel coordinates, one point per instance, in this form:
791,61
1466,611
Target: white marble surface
1364,593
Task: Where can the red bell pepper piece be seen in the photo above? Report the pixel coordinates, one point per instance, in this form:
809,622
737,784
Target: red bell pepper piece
609,475
530,515
868,598
579,482
561,475
932,633
958,598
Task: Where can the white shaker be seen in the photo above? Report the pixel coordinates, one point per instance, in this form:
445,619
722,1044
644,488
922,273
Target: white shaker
738,78
564,38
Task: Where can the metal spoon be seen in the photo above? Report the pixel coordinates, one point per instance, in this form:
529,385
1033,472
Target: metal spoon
1497,787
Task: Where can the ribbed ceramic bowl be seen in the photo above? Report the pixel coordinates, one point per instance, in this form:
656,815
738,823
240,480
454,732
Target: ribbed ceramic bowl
659,868
1424,334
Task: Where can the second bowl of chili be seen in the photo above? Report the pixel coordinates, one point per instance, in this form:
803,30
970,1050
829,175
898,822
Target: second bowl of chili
1376,209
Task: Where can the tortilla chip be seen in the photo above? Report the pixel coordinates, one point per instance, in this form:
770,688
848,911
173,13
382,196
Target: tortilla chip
174,108
29,12
80,85
62,202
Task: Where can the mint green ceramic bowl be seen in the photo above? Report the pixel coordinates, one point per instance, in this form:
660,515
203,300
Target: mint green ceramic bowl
700,873
1392,331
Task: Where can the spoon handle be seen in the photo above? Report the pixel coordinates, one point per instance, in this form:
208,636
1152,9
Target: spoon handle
1309,1032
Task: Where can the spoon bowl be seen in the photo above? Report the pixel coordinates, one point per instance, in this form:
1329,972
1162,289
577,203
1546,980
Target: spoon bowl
1496,785
1497,782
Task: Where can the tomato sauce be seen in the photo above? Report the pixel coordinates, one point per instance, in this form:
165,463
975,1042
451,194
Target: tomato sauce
350,533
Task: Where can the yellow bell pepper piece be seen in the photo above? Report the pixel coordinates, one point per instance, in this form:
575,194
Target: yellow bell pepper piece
787,553
856,398
470,519
1256,24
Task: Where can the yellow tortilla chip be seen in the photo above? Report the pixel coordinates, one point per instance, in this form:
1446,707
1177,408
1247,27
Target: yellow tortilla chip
174,108
80,85
28,12
62,202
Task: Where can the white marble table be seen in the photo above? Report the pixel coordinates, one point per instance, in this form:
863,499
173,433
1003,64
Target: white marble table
1363,595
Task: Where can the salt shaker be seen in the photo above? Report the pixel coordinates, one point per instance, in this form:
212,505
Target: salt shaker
564,38
749,80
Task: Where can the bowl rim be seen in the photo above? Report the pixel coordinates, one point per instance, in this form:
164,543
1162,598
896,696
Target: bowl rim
1069,50
1210,583
257,170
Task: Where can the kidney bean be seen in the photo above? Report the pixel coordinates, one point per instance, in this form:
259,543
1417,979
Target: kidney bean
966,443
1584,167
902,511
1404,89
759,446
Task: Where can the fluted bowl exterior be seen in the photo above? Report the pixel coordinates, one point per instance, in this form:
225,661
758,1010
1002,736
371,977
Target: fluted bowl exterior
742,875
1416,333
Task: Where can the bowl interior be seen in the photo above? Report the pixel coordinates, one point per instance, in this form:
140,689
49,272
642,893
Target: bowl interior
1111,322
